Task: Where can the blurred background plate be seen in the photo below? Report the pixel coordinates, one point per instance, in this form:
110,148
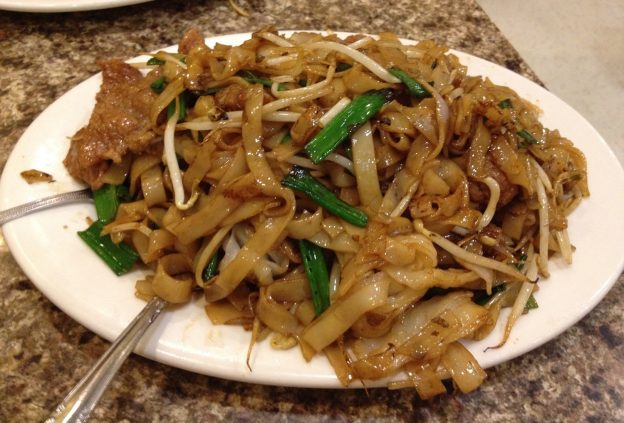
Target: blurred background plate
55,6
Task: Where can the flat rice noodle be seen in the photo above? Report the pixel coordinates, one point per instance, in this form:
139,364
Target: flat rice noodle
368,256
398,189
419,279
344,311
159,240
365,167
306,225
477,152
276,316
464,368
140,165
413,321
207,251
343,243
402,250
427,342
206,219
199,166
336,357
224,313
424,378
448,326
152,186
173,279
293,288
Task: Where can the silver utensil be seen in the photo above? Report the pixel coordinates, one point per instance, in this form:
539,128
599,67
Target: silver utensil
44,203
83,398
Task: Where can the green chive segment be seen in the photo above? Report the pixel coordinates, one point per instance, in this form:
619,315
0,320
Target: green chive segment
506,104
345,123
527,138
158,85
300,179
182,110
531,303
155,62
119,257
212,268
106,202
415,88
316,271
252,78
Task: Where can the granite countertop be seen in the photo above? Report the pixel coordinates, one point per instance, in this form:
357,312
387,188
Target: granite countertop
43,352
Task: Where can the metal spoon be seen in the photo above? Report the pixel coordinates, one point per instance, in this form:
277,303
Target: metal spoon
44,203
83,398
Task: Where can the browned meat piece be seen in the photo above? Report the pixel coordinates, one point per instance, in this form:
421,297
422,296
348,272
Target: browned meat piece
480,193
231,98
119,123
190,39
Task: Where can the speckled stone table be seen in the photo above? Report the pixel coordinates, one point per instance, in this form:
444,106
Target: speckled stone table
579,376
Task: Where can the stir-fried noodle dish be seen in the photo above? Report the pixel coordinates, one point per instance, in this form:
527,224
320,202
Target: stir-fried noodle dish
358,198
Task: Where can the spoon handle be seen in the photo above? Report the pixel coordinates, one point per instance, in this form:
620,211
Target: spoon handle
44,203
83,398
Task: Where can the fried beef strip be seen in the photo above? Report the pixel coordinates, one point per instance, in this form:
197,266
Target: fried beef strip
118,125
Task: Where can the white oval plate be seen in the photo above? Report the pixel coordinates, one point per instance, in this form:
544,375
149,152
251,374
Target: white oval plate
55,6
46,247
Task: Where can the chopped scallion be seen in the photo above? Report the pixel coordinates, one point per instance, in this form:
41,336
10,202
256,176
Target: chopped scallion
316,271
252,78
106,201
158,85
506,104
155,62
300,179
345,123
414,87
119,257
182,111
212,268
527,138
342,66
531,303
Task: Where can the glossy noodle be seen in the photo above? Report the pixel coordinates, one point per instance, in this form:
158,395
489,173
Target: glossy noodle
449,197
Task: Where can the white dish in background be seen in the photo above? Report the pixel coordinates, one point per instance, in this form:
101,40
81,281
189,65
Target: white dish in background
46,247
56,6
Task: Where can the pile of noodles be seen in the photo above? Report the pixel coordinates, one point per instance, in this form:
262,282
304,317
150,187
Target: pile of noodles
458,202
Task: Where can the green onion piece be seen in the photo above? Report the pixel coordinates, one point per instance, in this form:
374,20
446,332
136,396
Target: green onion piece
531,303
506,104
182,111
527,137
481,297
414,87
106,201
212,268
345,123
286,138
521,262
316,271
155,62
158,85
342,66
300,179
119,257
252,78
